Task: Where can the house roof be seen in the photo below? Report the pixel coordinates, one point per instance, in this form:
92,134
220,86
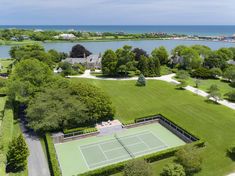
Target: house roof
232,62
90,59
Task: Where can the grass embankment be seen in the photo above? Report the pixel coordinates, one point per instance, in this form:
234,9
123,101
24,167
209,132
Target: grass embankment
9,129
224,87
9,42
213,123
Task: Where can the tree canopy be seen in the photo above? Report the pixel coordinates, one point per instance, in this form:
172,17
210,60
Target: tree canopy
79,51
54,109
28,77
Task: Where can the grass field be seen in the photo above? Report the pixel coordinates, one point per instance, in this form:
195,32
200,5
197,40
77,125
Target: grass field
9,129
224,87
108,150
213,123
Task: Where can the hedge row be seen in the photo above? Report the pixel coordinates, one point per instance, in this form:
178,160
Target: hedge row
52,157
6,129
116,168
82,130
196,136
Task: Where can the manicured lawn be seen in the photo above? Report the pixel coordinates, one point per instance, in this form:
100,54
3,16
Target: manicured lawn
9,128
213,123
224,87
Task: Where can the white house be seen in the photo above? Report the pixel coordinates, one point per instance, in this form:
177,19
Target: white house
65,36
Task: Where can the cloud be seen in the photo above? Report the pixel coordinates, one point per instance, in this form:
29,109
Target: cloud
117,12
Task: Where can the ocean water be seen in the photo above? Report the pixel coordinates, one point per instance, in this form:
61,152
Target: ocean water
180,29
100,47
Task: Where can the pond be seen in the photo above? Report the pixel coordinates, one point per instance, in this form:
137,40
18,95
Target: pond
100,47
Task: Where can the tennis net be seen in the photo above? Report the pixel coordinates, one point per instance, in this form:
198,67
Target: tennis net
132,156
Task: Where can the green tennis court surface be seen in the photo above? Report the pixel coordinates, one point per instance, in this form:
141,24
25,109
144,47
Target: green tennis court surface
94,152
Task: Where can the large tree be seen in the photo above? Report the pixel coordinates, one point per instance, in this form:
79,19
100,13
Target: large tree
138,53
29,76
55,108
79,51
38,52
98,104
215,60
225,53
229,74
109,63
161,53
125,58
202,50
191,59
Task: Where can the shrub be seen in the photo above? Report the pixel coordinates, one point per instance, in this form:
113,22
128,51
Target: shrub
137,72
202,72
231,95
173,170
137,167
214,92
5,136
182,74
52,158
215,72
17,155
182,84
190,159
141,81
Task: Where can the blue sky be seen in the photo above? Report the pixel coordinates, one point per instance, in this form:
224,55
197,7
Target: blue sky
114,12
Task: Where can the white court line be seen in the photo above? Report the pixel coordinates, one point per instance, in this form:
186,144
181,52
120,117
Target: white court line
143,142
103,153
123,147
87,165
97,143
128,157
160,139
150,150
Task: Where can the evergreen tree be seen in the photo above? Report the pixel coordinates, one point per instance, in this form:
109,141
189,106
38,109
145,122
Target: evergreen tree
17,155
141,81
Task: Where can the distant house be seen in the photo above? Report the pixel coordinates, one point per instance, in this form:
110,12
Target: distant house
92,61
14,39
231,62
176,60
65,36
59,70
25,37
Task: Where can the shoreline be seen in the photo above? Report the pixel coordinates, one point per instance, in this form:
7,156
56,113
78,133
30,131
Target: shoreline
109,40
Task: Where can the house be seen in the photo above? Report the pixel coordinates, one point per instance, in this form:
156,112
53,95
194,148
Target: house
65,36
231,62
92,61
58,70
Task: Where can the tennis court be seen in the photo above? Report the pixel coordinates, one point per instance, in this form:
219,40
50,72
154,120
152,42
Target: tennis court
87,154
119,149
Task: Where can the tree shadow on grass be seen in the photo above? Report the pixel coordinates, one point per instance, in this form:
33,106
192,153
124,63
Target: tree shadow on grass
230,155
212,102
